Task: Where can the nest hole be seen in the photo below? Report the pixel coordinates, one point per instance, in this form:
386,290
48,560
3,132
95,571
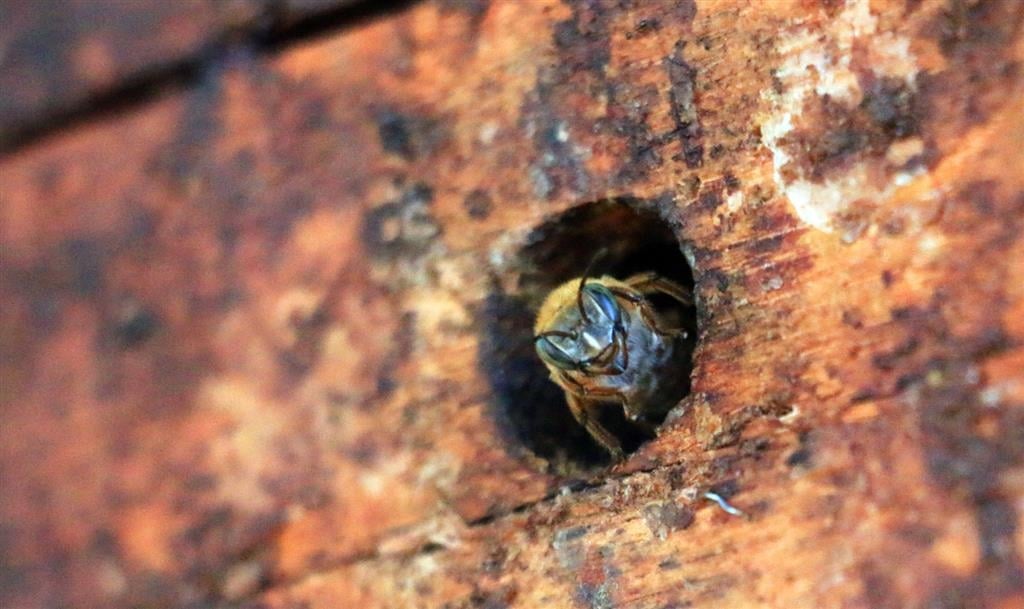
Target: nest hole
531,410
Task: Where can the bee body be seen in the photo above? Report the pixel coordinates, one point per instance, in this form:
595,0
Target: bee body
604,344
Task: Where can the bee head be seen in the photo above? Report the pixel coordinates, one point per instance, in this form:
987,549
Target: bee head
587,335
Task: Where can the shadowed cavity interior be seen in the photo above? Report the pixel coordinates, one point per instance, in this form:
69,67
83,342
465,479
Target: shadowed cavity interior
531,410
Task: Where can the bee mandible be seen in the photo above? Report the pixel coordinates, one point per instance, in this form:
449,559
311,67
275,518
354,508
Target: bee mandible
604,343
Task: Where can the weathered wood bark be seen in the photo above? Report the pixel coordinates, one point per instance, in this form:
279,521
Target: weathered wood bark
65,58
254,326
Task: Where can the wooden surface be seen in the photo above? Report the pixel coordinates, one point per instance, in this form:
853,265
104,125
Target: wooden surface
258,348
68,59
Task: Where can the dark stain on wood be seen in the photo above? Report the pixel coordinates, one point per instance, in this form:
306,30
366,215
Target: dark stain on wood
682,98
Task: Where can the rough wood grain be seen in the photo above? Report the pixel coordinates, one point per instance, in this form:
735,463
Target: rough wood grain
66,58
247,327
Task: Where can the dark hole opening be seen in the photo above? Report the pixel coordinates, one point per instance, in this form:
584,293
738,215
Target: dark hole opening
531,409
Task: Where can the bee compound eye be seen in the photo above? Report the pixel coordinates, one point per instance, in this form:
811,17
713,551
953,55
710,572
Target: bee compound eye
599,299
553,354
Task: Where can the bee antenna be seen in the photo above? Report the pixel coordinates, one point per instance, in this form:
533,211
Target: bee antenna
583,281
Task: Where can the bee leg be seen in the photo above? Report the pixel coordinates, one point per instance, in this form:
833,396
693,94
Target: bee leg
650,317
582,411
636,417
599,394
648,283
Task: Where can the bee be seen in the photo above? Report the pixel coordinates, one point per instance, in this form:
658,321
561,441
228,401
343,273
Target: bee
604,343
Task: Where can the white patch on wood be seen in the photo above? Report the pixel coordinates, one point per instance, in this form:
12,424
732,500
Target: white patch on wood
734,201
817,63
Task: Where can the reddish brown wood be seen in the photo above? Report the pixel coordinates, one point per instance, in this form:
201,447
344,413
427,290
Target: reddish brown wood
248,327
66,58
